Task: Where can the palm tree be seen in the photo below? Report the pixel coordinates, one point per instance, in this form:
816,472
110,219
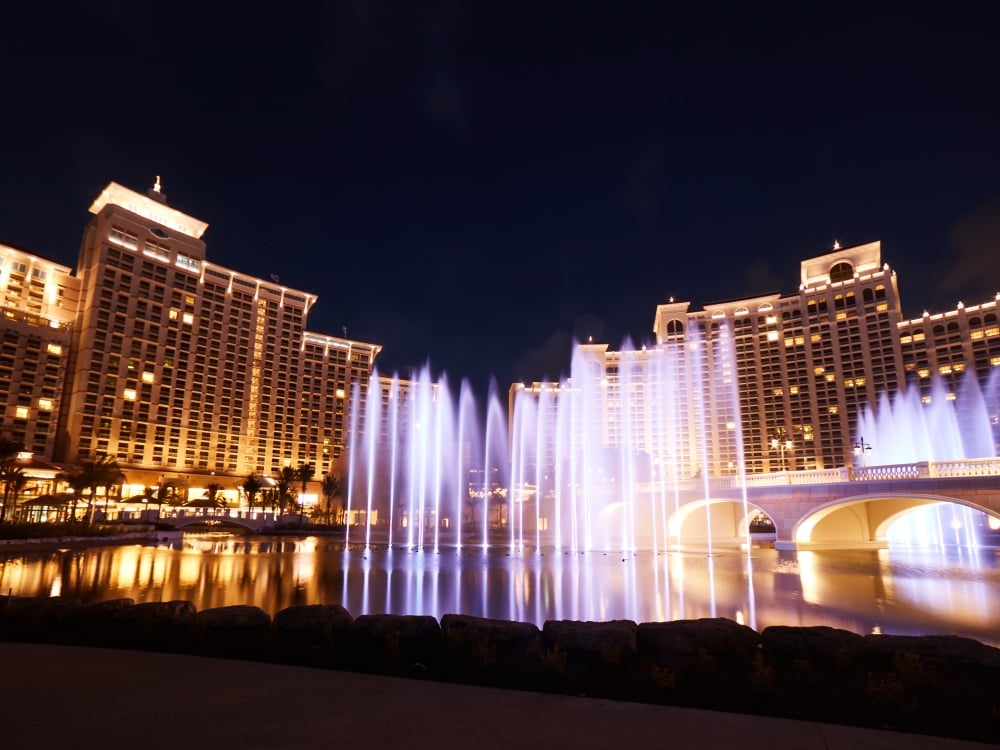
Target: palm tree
284,481
103,472
77,482
213,491
304,474
330,485
13,479
252,485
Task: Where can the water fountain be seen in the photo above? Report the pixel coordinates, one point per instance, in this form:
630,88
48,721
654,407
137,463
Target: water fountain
590,462
942,425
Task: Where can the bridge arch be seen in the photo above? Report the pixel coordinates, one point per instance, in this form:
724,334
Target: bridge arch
723,520
863,521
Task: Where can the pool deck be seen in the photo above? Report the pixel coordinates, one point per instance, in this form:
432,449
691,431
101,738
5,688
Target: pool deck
62,696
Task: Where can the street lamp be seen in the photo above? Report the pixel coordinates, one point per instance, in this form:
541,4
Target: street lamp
781,446
862,449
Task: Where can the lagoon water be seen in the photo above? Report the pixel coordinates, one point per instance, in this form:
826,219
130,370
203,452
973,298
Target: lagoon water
902,590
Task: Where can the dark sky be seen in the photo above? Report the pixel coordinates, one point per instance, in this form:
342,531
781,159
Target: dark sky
475,184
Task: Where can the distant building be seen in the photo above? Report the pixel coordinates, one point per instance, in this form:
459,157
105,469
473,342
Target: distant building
798,369
171,364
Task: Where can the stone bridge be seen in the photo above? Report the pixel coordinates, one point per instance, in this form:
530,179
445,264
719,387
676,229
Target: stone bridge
839,508
181,517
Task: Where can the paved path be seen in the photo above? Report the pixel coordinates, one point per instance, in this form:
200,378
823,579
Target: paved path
65,697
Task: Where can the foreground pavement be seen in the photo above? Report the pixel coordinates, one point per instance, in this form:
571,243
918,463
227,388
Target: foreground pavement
59,696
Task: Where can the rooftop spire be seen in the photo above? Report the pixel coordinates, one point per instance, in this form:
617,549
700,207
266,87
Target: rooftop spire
156,192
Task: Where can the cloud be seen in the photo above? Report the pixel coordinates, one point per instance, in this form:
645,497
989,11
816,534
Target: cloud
974,243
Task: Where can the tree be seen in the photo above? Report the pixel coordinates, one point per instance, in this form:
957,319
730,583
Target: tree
286,477
103,472
213,490
304,474
251,486
13,479
330,486
77,482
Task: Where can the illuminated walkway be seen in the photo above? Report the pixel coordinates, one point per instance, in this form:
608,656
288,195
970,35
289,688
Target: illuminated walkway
59,697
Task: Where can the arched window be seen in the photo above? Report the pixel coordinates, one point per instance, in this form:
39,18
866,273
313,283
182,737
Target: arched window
880,291
675,328
841,272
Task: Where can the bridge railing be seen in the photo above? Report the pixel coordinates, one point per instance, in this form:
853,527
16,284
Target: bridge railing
967,467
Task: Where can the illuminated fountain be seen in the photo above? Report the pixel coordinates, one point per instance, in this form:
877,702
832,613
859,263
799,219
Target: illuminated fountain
943,425
590,463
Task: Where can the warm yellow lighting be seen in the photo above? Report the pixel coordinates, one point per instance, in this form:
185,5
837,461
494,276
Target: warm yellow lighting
772,335
21,412
188,318
148,377
45,404
55,349
116,195
129,394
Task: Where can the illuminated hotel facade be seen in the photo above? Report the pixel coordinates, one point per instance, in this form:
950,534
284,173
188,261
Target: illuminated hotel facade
173,365
783,377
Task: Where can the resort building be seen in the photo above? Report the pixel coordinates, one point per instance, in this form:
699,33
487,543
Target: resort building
175,366
781,379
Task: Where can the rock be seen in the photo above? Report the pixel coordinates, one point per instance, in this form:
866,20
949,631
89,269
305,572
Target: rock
494,652
157,626
236,631
394,644
316,635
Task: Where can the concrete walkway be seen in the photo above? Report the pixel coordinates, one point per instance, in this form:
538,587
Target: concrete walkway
58,697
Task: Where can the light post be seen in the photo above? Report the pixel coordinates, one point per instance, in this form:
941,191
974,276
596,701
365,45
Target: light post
781,446
862,449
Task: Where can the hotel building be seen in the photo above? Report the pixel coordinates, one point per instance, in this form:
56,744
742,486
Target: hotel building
183,369
785,375
175,366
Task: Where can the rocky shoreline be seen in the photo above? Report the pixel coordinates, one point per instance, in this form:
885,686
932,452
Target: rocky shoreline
937,685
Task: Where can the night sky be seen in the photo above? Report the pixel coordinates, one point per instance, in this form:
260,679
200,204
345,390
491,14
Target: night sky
474,185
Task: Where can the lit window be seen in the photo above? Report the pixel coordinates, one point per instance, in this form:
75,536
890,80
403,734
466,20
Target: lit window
919,336
772,335
45,404
834,409
129,394
55,349
975,335
819,370
174,313
188,318
924,372
950,396
925,400
340,393
994,331
841,315
793,389
815,338
21,412
905,339
778,391
830,377
147,377
995,361
881,307
945,369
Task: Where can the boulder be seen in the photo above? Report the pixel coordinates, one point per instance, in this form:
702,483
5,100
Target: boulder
315,635
239,631
709,661
494,652
402,645
593,658
157,626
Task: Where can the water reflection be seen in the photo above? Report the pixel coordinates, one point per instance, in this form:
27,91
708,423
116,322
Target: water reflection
904,591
